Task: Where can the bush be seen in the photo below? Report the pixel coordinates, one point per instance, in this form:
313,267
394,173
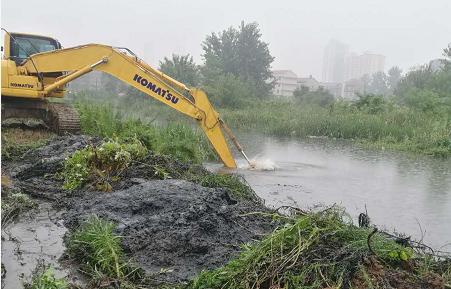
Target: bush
371,103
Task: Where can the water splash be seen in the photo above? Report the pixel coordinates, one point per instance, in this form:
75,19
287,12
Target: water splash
260,165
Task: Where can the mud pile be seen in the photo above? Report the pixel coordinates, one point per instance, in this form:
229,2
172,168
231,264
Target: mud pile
172,226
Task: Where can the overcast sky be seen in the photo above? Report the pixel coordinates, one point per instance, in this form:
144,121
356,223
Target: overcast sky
407,32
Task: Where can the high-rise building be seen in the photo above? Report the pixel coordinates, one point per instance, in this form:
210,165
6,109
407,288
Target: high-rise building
334,61
340,65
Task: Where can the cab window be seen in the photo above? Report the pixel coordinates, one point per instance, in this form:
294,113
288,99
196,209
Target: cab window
23,46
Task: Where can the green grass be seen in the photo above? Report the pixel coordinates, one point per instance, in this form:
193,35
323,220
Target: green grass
396,128
315,250
235,185
45,279
176,139
99,251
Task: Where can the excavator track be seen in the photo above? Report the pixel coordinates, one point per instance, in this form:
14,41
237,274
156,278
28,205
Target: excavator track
61,118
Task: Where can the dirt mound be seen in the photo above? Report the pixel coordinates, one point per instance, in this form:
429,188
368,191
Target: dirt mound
173,225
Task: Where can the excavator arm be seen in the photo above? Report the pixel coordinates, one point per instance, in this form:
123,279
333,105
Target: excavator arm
124,65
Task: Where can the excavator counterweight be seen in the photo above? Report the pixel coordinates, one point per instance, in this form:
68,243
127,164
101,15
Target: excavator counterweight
36,68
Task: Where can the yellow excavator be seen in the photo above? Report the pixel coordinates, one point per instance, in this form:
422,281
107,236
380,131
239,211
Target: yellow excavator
36,68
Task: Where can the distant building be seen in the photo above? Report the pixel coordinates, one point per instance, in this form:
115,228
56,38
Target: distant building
286,83
310,82
340,65
334,61
370,63
335,88
352,88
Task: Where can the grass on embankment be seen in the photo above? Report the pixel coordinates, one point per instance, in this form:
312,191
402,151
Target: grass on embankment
323,250
397,128
312,250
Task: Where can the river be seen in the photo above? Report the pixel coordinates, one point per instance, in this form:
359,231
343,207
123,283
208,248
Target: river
402,192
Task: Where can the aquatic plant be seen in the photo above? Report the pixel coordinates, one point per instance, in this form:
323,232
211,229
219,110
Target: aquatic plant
101,165
397,128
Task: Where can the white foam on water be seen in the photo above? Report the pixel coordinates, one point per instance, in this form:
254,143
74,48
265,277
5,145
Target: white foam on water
260,165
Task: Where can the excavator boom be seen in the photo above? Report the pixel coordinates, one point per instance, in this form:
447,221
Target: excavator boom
28,79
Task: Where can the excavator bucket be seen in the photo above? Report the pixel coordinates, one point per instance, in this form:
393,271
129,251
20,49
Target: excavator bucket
211,125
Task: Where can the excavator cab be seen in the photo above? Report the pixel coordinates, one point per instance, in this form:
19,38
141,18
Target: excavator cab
21,46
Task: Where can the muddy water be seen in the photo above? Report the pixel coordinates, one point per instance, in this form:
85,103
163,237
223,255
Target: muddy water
400,191
37,237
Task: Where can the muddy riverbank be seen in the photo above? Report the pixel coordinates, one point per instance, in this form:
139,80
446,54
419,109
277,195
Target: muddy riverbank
171,228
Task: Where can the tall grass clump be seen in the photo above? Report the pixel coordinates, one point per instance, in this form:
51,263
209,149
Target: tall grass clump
313,250
99,250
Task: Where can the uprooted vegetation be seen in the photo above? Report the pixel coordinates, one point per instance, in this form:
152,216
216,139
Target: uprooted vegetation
324,250
108,164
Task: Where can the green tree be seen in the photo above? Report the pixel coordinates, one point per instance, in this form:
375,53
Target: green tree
241,53
393,77
182,68
377,84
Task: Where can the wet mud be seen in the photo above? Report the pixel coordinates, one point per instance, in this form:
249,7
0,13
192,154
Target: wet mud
172,226
35,238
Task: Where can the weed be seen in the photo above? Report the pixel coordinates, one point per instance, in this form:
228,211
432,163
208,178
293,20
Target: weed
314,250
96,246
101,165
233,183
13,204
45,279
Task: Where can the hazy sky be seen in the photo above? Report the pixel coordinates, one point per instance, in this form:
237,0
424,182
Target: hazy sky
407,32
